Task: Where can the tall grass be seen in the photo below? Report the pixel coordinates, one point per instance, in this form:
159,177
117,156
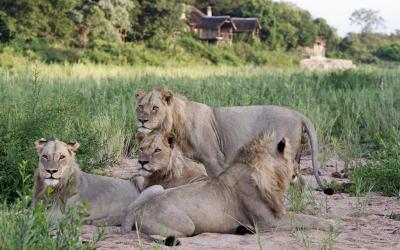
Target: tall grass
94,105
23,227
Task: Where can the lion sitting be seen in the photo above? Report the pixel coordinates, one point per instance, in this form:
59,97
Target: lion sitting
213,136
249,192
108,197
161,162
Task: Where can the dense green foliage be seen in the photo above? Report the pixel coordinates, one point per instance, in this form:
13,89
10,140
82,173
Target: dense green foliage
370,48
108,31
181,51
153,33
354,111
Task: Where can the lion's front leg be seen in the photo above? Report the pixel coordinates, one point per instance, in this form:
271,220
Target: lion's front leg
129,219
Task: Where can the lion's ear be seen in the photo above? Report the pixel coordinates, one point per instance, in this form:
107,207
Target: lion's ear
73,146
282,145
170,138
139,94
167,96
39,144
140,136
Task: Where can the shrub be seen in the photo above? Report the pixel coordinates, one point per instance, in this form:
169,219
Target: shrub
389,52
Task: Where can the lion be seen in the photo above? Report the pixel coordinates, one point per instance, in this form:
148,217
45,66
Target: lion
213,136
107,197
249,192
161,162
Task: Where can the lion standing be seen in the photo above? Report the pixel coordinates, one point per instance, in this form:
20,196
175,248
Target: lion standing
214,136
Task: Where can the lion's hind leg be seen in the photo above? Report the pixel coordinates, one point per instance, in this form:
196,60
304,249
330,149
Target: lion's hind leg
169,223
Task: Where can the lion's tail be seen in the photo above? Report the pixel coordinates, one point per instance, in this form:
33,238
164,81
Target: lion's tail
312,134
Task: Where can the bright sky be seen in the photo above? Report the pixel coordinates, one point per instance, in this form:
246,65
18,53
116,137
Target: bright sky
337,12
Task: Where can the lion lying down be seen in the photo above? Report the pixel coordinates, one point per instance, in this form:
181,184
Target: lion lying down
249,192
108,197
161,162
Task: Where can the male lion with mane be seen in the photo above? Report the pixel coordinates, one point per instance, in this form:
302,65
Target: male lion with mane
214,135
249,192
108,197
161,162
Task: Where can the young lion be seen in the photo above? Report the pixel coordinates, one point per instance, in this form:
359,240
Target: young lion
162,163
249,192
214,135
108,197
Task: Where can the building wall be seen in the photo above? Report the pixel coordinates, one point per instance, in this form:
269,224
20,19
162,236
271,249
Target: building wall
208,34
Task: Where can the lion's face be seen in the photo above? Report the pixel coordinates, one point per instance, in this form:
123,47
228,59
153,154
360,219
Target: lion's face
154,152
55,158
152,109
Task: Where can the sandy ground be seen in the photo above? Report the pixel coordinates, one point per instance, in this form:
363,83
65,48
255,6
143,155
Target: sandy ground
322,63
362,223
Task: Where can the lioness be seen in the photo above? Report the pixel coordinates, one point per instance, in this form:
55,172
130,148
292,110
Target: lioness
108,197
214,135
162,163
249,192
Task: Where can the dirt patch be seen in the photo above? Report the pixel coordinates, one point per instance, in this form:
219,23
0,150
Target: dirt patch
370,222
322,63
126,170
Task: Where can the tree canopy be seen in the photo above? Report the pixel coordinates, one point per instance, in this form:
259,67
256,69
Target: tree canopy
367,19
80,22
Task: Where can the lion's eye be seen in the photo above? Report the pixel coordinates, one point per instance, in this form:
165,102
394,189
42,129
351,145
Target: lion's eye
141,149
62,157
157,150
45,157
141,107
155,108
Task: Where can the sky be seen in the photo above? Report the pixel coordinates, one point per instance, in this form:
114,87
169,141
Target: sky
337,12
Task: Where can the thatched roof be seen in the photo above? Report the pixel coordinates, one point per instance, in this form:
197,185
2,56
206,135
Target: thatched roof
246,24
214,22
193,15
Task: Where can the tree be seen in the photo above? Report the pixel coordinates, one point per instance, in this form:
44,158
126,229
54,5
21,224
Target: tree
28,16
329,33
98,20
118,13
367,19
7,27
157,19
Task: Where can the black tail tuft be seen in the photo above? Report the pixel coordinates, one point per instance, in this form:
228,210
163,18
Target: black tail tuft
242,230
329,191
172,241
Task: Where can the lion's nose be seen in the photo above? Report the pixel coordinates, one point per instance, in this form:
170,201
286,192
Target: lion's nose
143,163
51,171
143,121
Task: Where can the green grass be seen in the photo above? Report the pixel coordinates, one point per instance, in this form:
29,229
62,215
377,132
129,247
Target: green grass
24,227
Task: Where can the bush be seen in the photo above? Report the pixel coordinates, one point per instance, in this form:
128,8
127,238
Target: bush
389,52
22,228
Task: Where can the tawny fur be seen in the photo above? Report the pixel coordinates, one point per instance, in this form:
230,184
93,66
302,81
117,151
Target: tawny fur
213,136
108,198
168,168
249,192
